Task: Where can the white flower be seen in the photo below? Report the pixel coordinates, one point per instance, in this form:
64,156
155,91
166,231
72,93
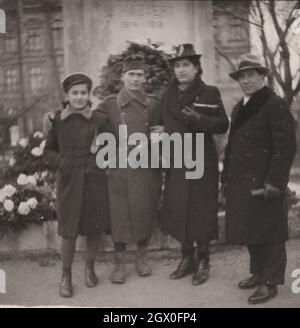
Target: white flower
24,208
8,205
12,161
31,179
9,190
44,174
37,151
22,179
32,202
38,134
43,144
23,142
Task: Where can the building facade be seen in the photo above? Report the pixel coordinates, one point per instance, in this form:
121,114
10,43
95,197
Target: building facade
46,39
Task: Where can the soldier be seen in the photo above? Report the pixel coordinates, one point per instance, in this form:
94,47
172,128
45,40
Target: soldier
133,193
259,155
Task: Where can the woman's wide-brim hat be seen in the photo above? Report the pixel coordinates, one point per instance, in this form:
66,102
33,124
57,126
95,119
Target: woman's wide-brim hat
183,51
74,79
249,62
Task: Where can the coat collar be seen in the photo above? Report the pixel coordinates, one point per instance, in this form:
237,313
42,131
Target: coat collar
192,91
243,113
68,111
126,96
177,103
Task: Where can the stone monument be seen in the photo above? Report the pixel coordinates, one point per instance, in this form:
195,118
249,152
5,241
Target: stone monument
94,29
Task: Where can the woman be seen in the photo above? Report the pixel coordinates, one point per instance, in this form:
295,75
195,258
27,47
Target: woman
82,201
190,207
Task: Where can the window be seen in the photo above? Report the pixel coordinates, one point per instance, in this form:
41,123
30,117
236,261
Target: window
11,43
11,79
36,78
236,30
35,41
57,33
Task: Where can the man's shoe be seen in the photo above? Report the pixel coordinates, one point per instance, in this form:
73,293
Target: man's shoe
186,266
202,273
142,266
118,274
249,283
65,287
90,278
263,293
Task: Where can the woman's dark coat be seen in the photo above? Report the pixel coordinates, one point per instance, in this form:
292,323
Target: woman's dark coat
260,150
190,207
82,197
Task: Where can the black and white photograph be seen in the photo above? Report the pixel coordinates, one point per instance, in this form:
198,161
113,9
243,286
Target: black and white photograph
149,156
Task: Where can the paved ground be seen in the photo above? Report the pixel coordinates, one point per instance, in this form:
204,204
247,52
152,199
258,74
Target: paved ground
35,283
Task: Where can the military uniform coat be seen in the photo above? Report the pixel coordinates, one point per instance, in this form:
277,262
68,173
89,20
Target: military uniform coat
133,193
82,197
260,150
190,207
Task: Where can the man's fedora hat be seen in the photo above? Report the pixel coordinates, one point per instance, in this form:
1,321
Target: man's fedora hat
74,79
185,50
246,62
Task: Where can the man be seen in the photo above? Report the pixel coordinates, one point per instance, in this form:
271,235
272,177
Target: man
259,155
133,193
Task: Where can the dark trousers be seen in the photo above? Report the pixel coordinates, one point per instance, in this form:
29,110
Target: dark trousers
268,261
188,249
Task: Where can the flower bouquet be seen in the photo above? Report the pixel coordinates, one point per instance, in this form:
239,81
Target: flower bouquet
29,193
28,157
25,202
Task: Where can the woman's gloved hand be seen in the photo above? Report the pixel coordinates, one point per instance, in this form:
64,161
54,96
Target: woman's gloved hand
190,115
271,192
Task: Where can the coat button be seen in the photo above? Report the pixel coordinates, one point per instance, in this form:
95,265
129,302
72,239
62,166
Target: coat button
248,155
146,124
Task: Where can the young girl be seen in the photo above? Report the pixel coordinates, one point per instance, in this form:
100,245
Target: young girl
82,201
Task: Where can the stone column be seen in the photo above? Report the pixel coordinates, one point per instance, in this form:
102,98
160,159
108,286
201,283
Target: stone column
203,38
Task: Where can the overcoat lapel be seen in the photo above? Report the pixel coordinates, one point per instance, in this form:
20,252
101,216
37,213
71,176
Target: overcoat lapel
125,97
243,113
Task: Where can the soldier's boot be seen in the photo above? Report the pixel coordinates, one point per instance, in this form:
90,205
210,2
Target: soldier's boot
65,287
90,278
118,274
142,266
